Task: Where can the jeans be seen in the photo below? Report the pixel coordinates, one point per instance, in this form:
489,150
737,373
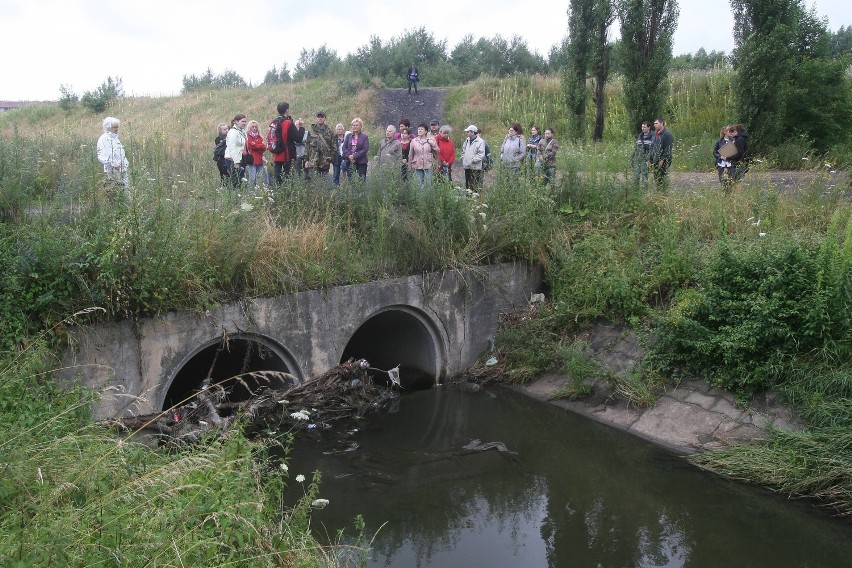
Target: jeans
424,177
253,171
410,83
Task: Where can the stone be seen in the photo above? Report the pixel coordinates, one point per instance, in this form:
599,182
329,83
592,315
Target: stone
704,401
726,407
675,423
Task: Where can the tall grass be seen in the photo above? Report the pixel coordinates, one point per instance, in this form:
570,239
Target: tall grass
74,494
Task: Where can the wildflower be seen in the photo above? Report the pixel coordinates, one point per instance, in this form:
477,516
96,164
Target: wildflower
762,234
247,207
284,467
319,503
482,214
300,415
300,478
283,401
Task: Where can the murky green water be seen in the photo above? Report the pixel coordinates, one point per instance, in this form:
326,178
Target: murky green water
573,493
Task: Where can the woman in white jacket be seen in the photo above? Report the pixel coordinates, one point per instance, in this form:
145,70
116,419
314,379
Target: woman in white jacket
111,152
235,148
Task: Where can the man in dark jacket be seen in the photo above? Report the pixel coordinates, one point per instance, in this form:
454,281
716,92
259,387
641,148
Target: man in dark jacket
742,158
287,135
661,153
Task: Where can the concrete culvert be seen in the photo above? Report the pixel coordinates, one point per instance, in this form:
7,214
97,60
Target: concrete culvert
242,354
399,336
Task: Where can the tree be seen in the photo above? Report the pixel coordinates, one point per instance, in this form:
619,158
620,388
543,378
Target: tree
98,100
228,78
68,97
647,28
276,77
580,29
787,83
604,15
316,63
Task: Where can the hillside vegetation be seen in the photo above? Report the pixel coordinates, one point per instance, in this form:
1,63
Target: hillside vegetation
751,290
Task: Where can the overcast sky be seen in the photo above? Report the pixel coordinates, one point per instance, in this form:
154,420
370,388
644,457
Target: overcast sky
152,44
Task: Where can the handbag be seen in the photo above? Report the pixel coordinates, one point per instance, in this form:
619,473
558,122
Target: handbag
728,150
248,159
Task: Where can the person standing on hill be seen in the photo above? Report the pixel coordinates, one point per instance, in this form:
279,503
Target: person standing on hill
661,153
433,128
473,154
413,76
301,138
111,154
642,154
721,152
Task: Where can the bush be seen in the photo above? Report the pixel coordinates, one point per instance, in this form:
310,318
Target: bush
758,305
98,100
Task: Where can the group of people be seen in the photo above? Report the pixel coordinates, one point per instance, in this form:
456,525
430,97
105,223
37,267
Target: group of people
317,151
654,153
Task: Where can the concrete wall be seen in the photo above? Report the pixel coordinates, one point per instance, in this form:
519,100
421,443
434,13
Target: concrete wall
437,322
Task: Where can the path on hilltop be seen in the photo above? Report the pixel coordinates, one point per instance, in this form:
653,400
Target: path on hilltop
395,104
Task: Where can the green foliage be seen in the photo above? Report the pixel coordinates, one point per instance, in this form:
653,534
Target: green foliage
647,30
68,98
98,100
227,79
581,369
699,61
276,77
758,305
788,83
316,62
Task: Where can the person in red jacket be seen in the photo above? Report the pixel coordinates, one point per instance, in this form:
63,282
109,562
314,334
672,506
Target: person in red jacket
256,146
446,154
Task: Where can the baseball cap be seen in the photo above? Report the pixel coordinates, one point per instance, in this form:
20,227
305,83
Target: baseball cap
471,128
433,122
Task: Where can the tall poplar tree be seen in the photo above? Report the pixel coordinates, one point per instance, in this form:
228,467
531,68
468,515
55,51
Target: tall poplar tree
647,30
580,29
604,15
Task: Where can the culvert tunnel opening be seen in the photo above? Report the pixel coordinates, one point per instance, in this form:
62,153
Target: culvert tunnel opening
223,363
392,338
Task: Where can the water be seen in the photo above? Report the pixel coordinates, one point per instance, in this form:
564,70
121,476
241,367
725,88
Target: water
572,493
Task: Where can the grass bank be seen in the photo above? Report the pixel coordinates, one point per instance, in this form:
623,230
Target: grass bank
747,289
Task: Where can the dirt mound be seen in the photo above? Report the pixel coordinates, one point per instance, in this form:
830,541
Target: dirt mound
395,104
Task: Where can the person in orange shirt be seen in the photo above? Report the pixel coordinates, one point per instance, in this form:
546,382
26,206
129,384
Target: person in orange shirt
446,154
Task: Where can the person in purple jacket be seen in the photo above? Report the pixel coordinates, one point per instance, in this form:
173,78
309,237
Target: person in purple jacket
355,148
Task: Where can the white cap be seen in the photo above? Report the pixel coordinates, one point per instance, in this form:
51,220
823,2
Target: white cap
471,128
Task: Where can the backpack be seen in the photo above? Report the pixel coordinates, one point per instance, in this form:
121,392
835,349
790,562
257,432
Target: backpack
274,140
487,161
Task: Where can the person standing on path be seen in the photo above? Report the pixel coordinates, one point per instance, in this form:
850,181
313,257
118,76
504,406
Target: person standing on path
338,159
284,150
413,76
446,153
355,148
405,147
661,153
256,146
421,156
514,146
219,153
235,147
390,151
546,158
642,154
473,154
319,151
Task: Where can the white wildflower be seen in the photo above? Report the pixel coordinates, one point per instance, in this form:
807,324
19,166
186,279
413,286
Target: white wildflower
284,467
283,401
247,207
300,478
300,415
319,503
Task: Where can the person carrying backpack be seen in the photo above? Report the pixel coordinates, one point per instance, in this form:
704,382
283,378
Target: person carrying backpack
281,141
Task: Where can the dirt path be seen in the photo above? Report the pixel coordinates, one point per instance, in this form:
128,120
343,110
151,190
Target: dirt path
395,104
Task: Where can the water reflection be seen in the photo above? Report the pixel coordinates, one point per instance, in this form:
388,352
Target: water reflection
572,493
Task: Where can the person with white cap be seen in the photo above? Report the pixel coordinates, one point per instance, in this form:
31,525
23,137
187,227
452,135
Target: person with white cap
473,152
